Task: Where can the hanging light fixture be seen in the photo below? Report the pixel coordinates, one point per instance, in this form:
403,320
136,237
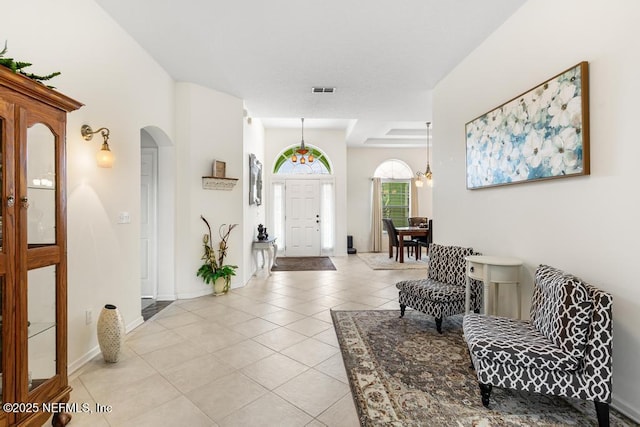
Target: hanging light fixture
427,174
302,150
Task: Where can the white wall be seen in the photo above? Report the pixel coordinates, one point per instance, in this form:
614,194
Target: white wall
79,39
362,164
587,225
209,126
332,143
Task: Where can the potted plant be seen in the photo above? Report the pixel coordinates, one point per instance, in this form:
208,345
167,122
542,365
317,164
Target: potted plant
214,270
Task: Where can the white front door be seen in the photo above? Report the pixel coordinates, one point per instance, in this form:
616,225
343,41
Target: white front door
302,217
148,220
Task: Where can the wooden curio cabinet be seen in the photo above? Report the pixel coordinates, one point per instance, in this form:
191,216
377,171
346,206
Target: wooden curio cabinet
33,249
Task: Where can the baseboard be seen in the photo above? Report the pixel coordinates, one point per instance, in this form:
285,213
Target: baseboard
625,408
167,297
131,326
189,295
79,363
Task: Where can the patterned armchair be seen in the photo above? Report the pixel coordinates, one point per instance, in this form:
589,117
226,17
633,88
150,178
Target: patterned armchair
442,293
564,350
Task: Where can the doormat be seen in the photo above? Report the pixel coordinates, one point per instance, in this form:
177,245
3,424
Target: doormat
310,263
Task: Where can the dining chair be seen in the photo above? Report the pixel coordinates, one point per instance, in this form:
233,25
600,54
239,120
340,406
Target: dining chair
393,237
415,221
425,241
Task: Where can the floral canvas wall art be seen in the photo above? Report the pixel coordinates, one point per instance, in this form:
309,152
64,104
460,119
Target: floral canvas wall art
541,134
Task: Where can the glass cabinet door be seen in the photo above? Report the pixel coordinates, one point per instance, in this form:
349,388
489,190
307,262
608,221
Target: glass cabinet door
42,258
41,191
41,329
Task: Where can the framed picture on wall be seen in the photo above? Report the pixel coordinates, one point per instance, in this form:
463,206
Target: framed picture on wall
255,180
538,135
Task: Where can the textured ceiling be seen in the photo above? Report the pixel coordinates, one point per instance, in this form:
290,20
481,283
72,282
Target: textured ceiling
383,57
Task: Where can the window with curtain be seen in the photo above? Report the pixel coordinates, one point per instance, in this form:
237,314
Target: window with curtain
396,191
395,201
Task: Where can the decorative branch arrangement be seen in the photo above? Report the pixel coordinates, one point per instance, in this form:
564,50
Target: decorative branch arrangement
213,266
19,66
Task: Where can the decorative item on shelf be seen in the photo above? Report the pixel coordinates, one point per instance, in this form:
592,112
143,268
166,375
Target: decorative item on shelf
302,150
427,174
262,232
110,333
105,156
18,67
214,271
219,169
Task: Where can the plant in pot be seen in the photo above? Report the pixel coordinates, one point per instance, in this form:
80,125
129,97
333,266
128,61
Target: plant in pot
213,270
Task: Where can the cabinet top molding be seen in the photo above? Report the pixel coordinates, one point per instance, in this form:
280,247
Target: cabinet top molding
36,90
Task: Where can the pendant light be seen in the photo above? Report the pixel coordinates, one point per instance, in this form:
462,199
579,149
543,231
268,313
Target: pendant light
427,174
302,150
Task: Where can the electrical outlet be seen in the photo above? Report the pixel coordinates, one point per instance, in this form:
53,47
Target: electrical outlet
88,316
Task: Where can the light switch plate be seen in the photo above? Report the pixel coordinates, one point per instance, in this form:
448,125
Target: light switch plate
124,218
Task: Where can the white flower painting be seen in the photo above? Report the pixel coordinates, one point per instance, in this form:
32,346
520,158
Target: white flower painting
538,135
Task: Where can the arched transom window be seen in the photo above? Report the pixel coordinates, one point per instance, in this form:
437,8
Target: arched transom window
319,165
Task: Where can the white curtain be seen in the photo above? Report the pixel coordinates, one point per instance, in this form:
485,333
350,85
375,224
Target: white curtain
413,209
376,215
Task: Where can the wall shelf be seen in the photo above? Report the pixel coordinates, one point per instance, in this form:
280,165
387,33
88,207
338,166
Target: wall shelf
215,183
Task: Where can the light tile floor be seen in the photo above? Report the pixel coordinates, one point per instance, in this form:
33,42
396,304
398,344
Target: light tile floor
262,355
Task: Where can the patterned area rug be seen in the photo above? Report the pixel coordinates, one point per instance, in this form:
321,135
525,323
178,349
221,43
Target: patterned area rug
311,263
381,261
403,373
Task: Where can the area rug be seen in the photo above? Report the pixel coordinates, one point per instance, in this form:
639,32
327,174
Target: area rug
403,373
381,261
313,263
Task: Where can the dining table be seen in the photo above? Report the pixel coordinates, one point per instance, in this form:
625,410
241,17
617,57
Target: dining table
407,231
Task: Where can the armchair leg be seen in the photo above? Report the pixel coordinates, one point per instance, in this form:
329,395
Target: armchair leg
602,411
402,308
439,324
485,392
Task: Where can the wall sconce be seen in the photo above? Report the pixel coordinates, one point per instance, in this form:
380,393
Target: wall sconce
105,156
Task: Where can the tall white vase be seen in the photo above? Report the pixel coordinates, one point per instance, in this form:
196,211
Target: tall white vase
110,333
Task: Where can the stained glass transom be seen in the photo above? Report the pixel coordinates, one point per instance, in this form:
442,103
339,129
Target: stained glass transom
319,166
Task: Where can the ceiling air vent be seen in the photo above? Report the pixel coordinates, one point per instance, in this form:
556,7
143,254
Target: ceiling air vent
316,89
